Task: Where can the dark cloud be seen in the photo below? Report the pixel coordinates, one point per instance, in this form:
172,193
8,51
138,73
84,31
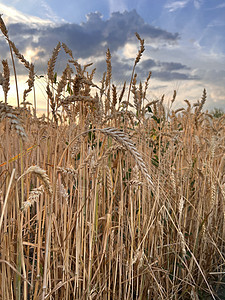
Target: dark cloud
4,48
92,38
121,69
168,76
171,66
41,54
164,66
148,64
21,29
165,71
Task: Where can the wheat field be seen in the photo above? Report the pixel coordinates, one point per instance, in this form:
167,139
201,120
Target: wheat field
108,195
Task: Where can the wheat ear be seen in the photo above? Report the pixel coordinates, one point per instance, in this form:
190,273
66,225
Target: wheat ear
140,52
33,197
6,75
5,33
109,68
123,139
41,175
52,61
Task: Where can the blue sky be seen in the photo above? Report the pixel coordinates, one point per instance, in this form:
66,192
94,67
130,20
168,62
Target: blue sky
185,41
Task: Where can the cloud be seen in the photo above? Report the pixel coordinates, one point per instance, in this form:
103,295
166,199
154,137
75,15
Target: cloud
170,58
117,5
148,64
217,77
90,38
121,69
164,71
169,76
49,13
14,16
198,3
171,66
222,5
175,5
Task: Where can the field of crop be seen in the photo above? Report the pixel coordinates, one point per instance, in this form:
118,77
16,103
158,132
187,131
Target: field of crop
108,195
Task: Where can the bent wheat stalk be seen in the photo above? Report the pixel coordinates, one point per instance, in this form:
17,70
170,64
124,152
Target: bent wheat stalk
123,139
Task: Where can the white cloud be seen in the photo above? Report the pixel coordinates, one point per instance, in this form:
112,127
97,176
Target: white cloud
12,16
32,54
198,3
130,50
49,13
216,23
117,5
175,5
217,95
220,5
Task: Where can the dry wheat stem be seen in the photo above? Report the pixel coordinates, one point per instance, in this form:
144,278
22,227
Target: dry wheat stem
6,198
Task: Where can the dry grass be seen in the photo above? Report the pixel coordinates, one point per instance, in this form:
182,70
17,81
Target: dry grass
105,199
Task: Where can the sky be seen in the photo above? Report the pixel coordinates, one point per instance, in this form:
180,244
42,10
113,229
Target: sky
184,42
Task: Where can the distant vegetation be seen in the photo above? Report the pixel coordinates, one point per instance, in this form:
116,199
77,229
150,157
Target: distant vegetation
108,195
217,112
